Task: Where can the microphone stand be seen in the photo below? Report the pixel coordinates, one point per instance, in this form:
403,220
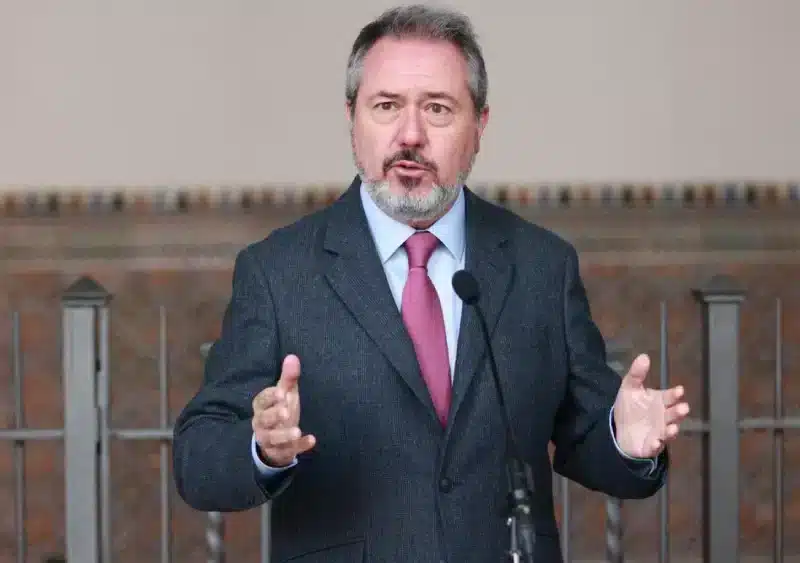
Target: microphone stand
520,520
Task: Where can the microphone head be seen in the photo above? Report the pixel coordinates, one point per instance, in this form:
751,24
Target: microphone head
466,287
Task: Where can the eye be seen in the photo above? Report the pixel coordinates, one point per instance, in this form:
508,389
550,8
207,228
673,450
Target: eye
439,114
438,108
385,111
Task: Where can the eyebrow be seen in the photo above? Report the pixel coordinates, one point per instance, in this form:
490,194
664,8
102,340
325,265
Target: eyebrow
384,94
428,95
441,96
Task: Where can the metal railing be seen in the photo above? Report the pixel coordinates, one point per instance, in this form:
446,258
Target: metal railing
87,435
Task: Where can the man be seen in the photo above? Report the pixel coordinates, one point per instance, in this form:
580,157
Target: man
350,386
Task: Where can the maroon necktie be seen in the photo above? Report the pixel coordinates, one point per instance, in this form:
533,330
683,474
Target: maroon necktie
422,315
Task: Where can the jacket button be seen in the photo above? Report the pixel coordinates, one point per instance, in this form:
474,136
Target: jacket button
445,485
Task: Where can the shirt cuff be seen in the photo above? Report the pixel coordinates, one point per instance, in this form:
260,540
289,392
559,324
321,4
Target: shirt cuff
263,469
651,462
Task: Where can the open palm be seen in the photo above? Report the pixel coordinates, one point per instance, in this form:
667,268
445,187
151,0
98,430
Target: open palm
646,419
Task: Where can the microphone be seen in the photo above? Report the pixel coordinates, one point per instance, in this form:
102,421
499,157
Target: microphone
519,495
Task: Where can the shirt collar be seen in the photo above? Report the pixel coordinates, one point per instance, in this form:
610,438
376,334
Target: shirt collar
390,234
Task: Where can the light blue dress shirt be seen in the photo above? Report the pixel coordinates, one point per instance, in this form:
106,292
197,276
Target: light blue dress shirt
446,260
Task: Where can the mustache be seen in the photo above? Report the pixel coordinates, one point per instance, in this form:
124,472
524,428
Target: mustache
409,156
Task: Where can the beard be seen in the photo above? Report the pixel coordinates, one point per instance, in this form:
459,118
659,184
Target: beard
410,205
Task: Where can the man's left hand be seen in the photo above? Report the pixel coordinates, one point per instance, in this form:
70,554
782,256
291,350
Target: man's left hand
646,419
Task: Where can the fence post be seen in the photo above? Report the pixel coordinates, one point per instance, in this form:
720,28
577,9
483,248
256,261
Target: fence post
84,306
721,301
215,529
618,354
215,523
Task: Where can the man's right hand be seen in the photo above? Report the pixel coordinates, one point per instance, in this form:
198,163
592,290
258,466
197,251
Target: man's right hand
277,416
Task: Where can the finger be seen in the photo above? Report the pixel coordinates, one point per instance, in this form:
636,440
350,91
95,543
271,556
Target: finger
291,448
268,398
657,446
272,417
673,395
281,436
638,370
303,444
676,414
671,432
290,373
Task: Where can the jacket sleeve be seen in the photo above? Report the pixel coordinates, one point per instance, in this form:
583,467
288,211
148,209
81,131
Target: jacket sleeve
585,449
212,450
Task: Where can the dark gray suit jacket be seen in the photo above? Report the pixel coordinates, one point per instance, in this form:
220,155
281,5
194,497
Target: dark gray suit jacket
386,482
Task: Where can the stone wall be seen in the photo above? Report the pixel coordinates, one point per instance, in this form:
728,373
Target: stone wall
639,245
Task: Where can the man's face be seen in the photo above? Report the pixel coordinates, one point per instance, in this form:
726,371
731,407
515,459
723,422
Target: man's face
414,129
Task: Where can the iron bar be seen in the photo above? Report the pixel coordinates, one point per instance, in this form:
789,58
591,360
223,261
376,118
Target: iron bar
141,434
104,414
214,537
166,506
30,434
778,436
695,426
777,425
215,523
618,358
20,514
663,495
265,532
614,551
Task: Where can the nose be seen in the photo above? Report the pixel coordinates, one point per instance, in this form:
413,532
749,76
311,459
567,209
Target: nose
412,131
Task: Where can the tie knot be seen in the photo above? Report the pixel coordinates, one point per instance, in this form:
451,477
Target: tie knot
419,247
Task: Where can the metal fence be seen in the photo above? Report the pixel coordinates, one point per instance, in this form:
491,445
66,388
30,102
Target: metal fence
87,435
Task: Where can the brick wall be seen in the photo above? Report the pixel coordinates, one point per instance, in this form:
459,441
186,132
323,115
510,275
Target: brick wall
632,258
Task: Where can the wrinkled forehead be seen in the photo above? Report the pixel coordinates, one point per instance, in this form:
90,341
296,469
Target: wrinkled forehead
413,68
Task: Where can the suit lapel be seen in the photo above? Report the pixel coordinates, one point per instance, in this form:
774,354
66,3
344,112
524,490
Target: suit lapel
353,269
488,260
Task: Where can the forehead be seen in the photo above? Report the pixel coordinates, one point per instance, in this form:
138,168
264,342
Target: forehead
408,66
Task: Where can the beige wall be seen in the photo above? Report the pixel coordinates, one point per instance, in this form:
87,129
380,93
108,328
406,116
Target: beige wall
96,92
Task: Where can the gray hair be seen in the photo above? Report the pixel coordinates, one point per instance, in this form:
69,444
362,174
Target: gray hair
423,22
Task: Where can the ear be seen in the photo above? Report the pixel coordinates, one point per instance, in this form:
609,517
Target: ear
348,110
483,120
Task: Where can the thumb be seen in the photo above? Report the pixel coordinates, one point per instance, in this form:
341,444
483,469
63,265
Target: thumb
638,371
290,373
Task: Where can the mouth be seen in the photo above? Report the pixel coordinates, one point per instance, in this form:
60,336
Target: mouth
408,168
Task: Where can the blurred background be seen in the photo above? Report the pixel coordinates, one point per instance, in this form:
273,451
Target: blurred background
142,144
